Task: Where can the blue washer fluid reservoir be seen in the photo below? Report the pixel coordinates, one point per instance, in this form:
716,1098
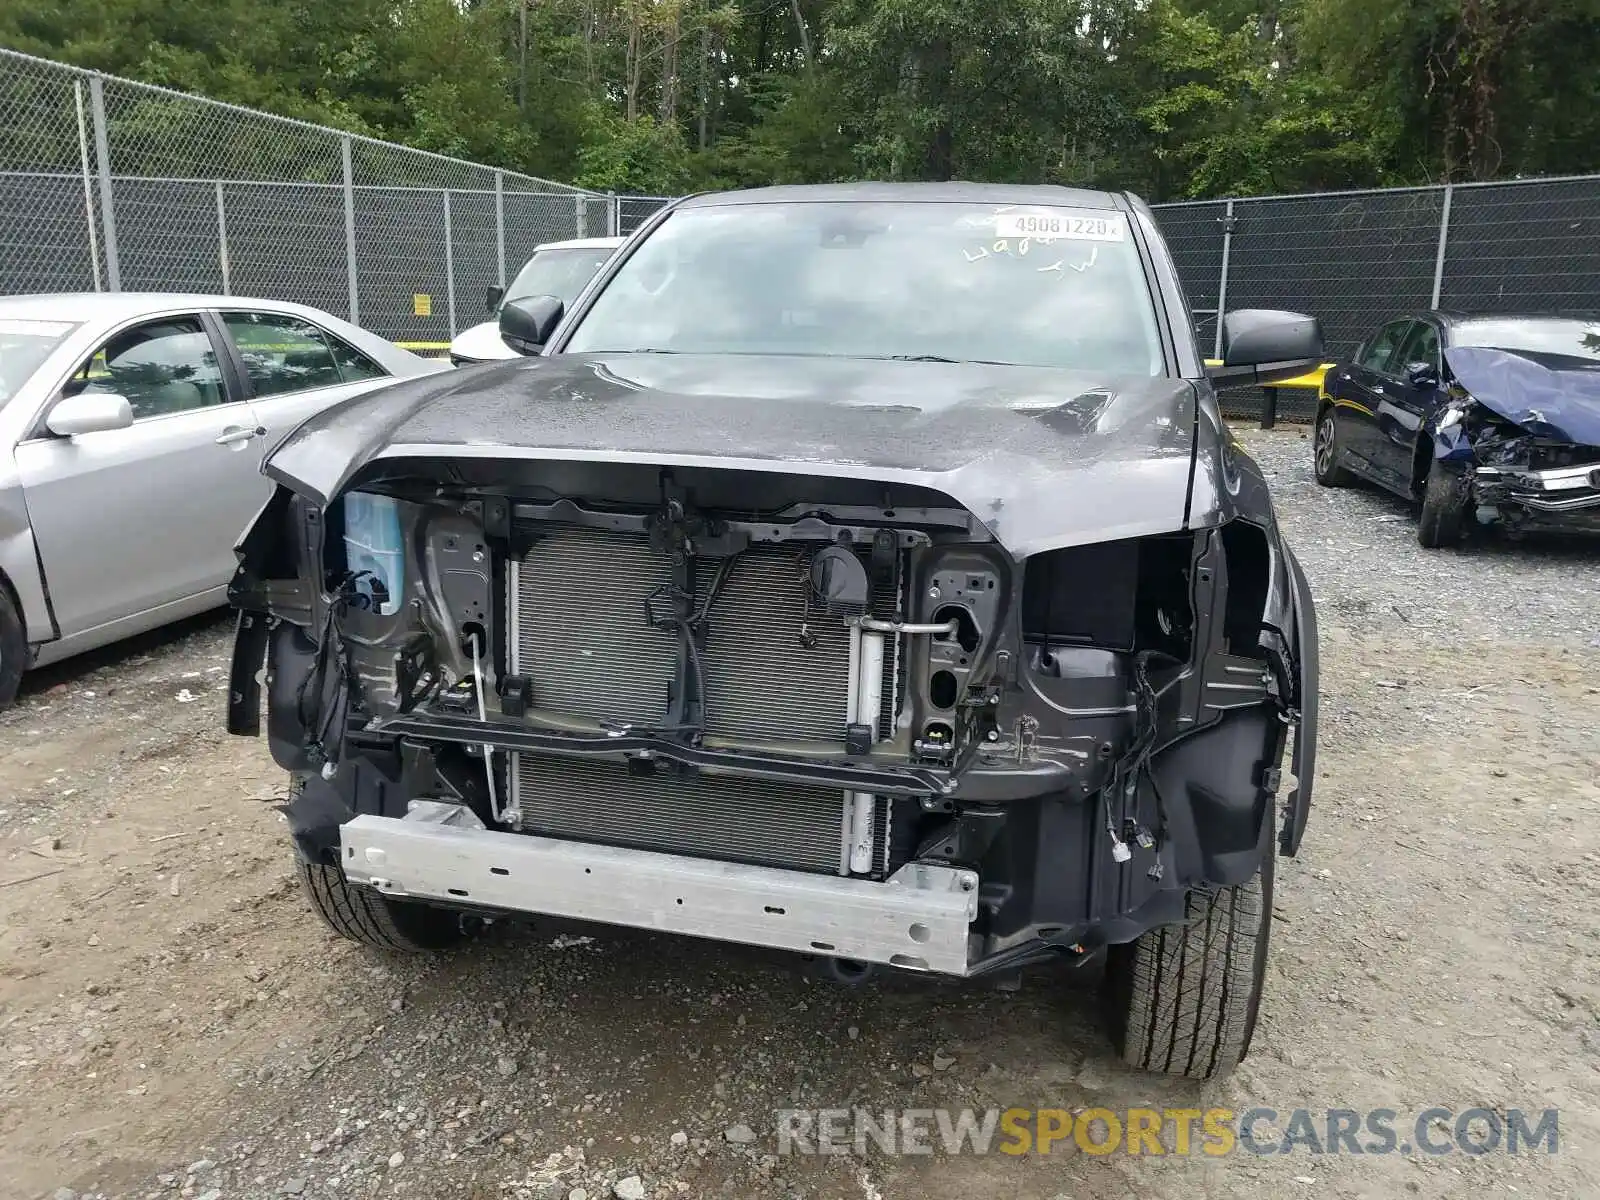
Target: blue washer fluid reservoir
372,543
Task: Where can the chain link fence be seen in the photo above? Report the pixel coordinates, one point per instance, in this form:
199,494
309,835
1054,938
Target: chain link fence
1355,259
106,184
109,184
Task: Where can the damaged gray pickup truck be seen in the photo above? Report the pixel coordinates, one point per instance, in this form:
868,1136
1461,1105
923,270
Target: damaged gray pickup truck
860,571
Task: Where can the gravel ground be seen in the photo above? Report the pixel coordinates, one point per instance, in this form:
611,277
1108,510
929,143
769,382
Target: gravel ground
174,1023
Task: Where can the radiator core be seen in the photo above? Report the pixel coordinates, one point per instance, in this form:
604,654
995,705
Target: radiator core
773,670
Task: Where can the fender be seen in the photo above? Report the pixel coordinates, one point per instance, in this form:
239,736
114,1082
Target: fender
1297,805
1445,432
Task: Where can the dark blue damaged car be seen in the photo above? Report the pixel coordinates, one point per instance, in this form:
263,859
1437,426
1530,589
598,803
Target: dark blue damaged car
1487,421
864,572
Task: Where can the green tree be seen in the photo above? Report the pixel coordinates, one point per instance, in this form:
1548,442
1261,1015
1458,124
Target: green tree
1232,110
1174,98
642,156
1473,88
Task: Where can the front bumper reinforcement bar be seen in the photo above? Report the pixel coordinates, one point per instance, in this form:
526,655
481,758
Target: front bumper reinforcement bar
917,919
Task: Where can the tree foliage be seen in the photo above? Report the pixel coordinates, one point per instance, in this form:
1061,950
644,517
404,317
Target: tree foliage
1174,98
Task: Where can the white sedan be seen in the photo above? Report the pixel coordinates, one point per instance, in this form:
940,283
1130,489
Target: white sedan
559,269
132,429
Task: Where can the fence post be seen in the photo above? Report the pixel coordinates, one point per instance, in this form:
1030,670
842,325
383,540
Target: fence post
614,216
222,244
88,190
350,230
1444,238
1222,281
449,266
500,225
580,209
108,212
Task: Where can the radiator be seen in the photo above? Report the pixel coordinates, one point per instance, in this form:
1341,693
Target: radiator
706,816
577,629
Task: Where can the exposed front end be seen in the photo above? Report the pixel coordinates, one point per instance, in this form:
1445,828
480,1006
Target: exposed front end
1528,484
1520,438
813,713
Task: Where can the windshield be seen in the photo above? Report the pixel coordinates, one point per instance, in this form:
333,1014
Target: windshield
1540,335
1033,285
559,273
24,344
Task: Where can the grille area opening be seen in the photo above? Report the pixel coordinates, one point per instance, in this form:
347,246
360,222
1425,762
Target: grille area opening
705,816
774,668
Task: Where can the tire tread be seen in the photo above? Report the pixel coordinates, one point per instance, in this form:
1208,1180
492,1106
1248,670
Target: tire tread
1443,514
363,916
1190,991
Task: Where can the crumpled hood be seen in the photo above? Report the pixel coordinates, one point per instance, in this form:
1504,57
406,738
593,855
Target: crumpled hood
1044,458
1551,395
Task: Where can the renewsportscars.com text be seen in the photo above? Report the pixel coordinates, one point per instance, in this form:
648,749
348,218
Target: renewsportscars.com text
1212,1132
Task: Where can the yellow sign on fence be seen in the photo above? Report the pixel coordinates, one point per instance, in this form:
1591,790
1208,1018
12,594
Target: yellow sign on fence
421,305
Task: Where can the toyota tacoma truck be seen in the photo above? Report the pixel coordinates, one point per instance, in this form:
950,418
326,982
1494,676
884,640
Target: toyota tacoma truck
863,571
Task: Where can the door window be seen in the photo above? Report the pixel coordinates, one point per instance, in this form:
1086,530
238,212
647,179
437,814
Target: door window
353,365
1421,347
161,367
285,354
1380,351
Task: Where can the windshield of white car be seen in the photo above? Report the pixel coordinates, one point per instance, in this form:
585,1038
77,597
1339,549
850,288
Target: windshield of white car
24,344
559,272
1539,335
1018,285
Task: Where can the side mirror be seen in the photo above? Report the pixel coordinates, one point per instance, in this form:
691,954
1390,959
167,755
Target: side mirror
1422,375
89,412
496,294
526,325
1262,345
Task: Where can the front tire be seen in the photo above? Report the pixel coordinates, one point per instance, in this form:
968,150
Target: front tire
1183,999
1444,509
1325,451
363,916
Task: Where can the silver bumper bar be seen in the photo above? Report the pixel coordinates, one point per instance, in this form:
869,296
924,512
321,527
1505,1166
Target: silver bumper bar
918,918
1558,489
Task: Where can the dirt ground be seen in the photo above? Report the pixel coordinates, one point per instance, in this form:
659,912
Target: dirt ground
173,1021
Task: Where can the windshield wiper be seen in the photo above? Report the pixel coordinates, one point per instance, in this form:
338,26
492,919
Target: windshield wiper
939,358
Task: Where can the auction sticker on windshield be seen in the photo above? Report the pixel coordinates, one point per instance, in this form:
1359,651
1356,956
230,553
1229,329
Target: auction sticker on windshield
1059,225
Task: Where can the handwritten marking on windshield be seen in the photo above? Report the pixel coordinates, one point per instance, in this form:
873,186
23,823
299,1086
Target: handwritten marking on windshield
1062,263
1003,249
